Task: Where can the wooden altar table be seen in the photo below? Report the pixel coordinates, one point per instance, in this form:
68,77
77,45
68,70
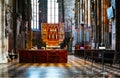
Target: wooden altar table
43,56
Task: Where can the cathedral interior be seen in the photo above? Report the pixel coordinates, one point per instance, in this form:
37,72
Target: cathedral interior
59,39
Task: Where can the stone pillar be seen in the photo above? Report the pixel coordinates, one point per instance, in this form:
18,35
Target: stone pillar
9,22
14,27
104,21
89,21
3,39
116,23
89,13
106,24
69,14
95,34
86,12
86,20
79,17
115,40
98,22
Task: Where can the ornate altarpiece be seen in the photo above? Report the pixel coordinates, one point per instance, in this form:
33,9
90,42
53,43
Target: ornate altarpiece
52,34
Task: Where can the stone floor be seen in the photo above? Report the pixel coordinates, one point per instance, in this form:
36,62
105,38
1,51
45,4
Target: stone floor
75,68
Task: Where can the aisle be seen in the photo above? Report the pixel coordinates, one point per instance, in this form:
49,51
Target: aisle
75,68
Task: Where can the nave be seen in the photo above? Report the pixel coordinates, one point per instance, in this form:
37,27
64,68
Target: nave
75,68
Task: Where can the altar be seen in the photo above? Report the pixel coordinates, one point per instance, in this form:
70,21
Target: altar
52,34
43,56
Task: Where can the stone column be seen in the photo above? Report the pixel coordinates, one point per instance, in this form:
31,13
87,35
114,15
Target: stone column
78,19
95,24
3,39
14,26
106,36
89,13
69,14
116,24
103,21
86,12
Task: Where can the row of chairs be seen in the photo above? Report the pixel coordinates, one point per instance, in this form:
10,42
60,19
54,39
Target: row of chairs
108,56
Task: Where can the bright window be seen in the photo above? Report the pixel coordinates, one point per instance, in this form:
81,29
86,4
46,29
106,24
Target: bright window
52,15
35,15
